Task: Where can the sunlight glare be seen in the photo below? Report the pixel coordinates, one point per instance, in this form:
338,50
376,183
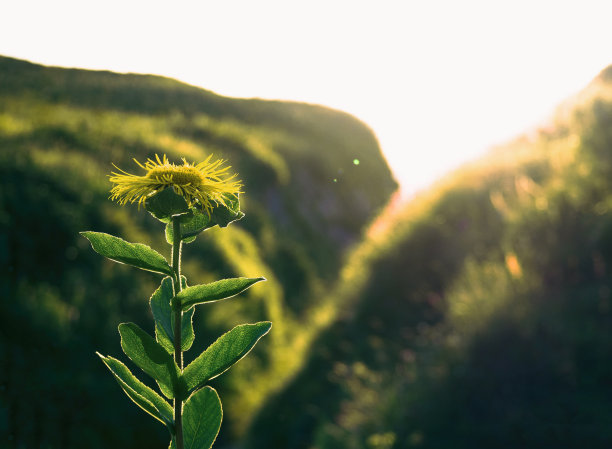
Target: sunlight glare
438,82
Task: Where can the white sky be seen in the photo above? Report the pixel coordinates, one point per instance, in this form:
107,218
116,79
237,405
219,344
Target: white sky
437,81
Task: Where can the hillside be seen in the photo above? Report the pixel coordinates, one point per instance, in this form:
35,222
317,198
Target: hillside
305,201
480,315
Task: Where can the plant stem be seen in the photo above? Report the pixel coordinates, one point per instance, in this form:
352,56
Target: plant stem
178,316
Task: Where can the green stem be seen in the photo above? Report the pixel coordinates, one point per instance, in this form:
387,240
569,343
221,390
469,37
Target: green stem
178,316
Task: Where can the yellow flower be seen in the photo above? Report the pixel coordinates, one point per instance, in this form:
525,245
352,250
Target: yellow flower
203,185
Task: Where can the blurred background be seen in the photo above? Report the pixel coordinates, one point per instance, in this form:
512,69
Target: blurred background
438,256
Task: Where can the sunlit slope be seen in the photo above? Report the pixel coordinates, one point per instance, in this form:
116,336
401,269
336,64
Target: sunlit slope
307,150
478,316
305,200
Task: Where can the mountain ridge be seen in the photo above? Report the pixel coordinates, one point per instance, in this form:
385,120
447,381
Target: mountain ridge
478,315
306,203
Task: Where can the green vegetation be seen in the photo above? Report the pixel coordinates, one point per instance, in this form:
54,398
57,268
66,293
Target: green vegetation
60,130
479,315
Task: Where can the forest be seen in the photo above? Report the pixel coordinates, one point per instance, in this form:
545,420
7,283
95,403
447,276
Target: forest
476,315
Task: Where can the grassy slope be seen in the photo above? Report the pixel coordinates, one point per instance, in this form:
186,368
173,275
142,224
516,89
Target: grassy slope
60,130
479,316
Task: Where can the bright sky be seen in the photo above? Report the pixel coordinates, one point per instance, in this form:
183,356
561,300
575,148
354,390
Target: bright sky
437,81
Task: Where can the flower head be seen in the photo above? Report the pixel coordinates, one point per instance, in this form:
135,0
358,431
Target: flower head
202,185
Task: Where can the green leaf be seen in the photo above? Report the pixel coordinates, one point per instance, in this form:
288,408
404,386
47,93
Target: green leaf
143,396
192,224
166,203
135,254
187,334
197,221
215,291
223,353
202,416
151,357
224,215
162,313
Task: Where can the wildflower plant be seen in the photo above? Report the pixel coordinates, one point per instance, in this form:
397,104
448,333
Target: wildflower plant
188,199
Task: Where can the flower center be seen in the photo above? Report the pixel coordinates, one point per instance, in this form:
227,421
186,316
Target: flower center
177,175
